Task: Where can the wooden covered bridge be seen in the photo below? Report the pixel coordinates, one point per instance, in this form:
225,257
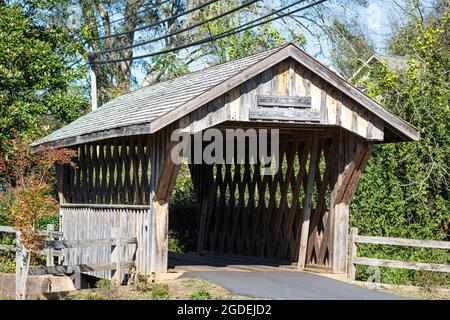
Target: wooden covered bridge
125,176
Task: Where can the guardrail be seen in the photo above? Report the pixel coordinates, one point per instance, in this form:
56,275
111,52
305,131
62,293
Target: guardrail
354,260
53,248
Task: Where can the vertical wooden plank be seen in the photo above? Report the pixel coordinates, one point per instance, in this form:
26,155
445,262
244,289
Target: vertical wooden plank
49,258
352,251
19,264
331,106
114,253
283,78
292,85
308,204
160,216
234,104
323,107
340,241
316,93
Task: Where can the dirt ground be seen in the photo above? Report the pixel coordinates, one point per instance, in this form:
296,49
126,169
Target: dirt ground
411,291
178,289
420,293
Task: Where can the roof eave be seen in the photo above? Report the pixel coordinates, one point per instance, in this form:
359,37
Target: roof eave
403,129
407,130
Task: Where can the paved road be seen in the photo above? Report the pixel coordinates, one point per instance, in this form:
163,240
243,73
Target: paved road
289,285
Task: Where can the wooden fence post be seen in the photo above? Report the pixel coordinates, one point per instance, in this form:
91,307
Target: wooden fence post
116,254
50,261
21,269
352,250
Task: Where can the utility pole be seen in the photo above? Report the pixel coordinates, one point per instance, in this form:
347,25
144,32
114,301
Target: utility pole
91,58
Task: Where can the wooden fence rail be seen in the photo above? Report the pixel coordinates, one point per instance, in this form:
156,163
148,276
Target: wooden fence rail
53,248
354,260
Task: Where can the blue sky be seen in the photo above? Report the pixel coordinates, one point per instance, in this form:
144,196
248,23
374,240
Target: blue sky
375,20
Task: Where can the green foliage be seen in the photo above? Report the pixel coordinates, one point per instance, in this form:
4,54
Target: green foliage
5,217
159,291
200,294
164,67
46,220
241,44
107,290
28,180
7,258
183,214
35,81
404,191
351,48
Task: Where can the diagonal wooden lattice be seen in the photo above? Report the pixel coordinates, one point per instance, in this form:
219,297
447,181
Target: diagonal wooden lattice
114,171
110,172
248,213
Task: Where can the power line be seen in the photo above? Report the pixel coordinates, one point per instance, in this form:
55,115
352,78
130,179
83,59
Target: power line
159,21
242,6
142,11
223,34
96,23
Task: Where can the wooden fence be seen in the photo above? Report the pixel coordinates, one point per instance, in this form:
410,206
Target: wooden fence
354,260
55,249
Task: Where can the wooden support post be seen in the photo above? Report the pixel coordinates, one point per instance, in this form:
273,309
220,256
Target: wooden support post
18,267
308,205
160,212
160,236
50,260
340,237
351,167
76,279
352,249
202,225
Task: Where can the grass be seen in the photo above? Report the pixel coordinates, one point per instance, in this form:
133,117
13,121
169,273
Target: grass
419,293
179,289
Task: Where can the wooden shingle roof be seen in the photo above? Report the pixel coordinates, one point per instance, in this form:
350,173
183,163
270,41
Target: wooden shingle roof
148,103
151,108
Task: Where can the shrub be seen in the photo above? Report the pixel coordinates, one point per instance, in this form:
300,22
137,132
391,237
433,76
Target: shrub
200,294
108,289
183,214
159,291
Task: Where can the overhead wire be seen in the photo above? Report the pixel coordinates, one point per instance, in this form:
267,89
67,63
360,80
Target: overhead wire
246,26
196,25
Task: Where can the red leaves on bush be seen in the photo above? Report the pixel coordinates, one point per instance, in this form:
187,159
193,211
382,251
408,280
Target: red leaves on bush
28,179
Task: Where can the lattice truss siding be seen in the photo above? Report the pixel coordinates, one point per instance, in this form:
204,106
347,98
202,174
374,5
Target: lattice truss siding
247,213
124,177
114,171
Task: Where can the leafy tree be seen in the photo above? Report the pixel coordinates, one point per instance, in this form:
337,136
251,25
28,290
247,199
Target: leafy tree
37,89
28,196
404,191
351,48
241,44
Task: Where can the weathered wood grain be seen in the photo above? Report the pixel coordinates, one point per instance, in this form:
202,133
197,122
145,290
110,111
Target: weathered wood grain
36,271
402,264
284,101
308,204
7,229
403,242
300,115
